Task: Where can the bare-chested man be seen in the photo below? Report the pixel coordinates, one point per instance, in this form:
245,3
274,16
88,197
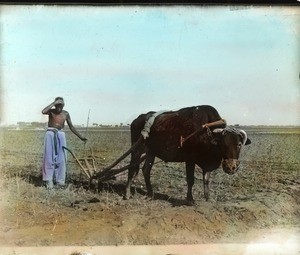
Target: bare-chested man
54,160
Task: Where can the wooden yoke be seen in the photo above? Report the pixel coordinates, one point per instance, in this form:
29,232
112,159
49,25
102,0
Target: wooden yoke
220,122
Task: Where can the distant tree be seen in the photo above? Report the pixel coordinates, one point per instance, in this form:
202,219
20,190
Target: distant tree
37,124
22,123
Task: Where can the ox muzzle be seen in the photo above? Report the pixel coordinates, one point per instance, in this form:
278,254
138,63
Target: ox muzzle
230,166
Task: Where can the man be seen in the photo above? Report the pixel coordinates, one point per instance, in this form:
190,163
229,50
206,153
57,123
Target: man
54,160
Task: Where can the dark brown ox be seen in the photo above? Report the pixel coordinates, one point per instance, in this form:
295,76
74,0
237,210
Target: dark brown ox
194,135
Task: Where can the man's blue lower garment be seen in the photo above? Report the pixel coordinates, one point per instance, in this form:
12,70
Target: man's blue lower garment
54,160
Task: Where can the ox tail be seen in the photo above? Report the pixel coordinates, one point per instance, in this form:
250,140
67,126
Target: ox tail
133,147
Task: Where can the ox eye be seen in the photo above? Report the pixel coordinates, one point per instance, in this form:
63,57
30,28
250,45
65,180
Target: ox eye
239,145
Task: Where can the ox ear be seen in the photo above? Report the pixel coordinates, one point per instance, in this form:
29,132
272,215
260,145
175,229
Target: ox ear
248,141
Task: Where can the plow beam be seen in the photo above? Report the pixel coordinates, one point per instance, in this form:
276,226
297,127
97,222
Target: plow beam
106,175
133,147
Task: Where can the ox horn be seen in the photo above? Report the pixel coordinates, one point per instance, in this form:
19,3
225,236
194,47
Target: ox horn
244,134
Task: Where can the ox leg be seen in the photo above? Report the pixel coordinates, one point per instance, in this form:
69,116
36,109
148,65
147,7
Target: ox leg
132,171
146,172
206,182
190,169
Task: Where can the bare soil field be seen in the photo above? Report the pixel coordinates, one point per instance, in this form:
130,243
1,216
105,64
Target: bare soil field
244,208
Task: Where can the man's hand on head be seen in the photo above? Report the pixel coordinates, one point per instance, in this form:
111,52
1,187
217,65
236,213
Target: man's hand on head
59,101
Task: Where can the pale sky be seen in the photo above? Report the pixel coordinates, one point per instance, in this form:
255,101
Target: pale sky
119,62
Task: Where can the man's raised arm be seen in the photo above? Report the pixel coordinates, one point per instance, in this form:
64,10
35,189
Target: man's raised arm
48,107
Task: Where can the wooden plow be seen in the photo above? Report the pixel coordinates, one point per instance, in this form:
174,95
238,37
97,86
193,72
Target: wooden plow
88,165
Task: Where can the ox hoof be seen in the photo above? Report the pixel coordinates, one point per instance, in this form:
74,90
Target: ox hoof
149,196
207,199
127,197
190,202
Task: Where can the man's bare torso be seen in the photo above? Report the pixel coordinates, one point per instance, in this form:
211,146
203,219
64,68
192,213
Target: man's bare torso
57,120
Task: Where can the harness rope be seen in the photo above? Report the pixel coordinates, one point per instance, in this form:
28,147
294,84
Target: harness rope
227,129
184,139
207,126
